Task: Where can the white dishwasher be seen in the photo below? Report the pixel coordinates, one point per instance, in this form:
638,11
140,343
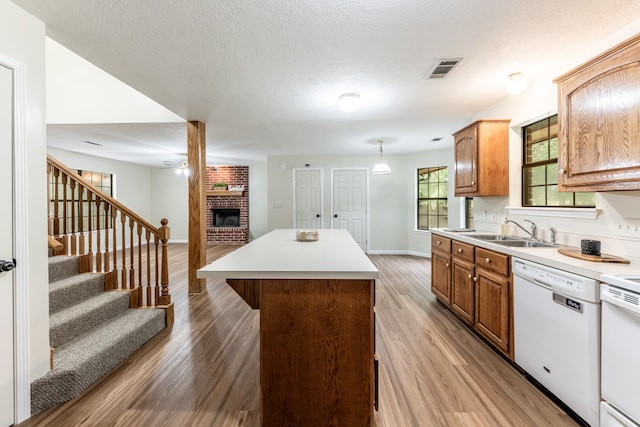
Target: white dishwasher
557,334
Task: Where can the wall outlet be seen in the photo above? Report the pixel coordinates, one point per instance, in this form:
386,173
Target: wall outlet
626,228
481,215
492,216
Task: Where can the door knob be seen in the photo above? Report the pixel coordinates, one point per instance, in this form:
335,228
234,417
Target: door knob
7,265
317,215
335,215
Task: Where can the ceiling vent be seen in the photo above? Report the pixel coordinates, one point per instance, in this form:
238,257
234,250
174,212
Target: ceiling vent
442,68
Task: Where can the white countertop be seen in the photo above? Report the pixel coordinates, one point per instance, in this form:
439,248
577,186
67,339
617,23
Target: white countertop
550,257
278,255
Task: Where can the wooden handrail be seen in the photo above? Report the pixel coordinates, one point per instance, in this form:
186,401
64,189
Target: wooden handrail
85,221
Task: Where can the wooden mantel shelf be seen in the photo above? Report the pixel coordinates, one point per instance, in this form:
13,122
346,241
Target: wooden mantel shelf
225,193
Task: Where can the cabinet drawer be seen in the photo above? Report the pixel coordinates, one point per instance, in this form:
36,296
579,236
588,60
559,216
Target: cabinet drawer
441,243
492,261
462,250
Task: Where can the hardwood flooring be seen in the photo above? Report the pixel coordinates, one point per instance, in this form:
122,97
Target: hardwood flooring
205,370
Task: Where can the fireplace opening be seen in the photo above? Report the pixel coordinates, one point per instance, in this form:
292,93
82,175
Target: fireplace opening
226,217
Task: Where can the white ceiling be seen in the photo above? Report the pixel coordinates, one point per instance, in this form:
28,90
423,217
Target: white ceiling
265,76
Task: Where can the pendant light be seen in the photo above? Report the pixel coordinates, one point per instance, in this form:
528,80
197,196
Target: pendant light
381,168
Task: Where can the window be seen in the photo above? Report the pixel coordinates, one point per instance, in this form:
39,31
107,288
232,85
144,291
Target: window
432,197
103,182
540,169
468,212
90,217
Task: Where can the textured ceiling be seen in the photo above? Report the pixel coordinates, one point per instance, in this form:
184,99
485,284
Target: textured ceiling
265,76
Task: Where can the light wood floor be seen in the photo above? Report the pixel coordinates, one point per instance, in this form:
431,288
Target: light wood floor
205,371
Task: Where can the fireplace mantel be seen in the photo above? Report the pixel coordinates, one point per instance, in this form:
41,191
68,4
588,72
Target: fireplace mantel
225,193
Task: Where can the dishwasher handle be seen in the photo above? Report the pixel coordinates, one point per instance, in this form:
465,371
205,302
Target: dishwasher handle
620,297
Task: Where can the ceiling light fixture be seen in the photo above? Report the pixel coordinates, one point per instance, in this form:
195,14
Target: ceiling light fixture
381,168
349,102
517,83
183,170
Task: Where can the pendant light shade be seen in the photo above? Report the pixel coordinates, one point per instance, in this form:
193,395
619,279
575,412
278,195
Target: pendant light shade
381,168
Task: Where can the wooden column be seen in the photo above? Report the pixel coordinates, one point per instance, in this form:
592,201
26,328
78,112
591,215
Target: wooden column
196,157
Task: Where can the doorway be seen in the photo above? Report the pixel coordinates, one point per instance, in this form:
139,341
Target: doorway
307,194
350,203
7,281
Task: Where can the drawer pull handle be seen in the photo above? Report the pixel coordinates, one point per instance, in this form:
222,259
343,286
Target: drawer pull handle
561,171
446,265
487,260
469,276
475,279
437,242
460,250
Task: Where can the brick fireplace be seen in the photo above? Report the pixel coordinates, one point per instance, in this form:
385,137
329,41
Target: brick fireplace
222,225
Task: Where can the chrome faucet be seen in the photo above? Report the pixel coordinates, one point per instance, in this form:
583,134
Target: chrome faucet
534,228
554,235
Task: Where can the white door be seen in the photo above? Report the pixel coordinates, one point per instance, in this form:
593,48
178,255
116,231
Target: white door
307,185
349,203
7,377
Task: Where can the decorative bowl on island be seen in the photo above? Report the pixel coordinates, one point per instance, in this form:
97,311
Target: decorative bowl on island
307,235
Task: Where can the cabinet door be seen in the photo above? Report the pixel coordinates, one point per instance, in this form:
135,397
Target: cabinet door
466,161
493,308
463,289
599,123
441,276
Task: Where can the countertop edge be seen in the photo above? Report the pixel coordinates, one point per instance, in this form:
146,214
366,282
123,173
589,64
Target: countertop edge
549,257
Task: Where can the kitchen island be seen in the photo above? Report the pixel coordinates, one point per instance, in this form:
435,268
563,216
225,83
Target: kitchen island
316,302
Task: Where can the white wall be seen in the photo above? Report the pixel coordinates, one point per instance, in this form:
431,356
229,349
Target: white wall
22,38
539,101
387,196
80,92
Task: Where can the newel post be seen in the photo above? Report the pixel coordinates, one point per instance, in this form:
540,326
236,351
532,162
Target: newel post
164,234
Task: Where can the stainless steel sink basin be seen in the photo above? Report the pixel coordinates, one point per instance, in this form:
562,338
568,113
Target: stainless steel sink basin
481,236
522,243
492,237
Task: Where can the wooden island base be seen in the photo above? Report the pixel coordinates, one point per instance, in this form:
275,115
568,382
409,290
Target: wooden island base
317,326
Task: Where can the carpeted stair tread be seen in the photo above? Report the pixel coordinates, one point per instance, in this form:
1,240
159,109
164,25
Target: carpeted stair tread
71,322
62,266
73,290
81,362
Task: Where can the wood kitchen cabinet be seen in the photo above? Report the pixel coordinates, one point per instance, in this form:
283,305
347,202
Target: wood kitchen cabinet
599,122
441,268
475,284
481,153
493,299
463,281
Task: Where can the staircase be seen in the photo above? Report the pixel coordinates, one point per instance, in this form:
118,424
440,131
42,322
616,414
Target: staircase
91,331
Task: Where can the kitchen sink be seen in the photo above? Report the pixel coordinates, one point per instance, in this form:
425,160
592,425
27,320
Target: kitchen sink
482,236
493,237
522,243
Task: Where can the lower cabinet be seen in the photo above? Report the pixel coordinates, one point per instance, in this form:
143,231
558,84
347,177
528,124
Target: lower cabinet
475,283
493,308
441,268
463,288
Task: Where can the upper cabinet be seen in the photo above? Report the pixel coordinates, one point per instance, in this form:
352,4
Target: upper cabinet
482,159
599,122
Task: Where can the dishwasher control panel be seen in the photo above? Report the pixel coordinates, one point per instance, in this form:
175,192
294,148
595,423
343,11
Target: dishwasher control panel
560,281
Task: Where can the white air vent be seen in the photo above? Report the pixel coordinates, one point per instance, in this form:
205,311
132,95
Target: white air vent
442,68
